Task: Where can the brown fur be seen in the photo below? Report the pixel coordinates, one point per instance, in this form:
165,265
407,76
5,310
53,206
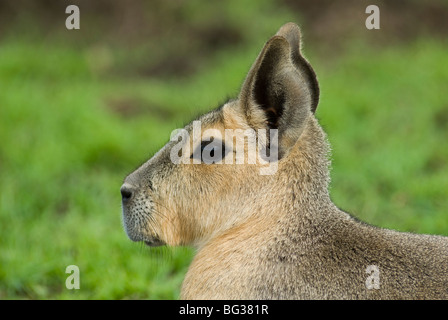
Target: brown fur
275,236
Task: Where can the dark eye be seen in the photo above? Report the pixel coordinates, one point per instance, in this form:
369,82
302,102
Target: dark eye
210,151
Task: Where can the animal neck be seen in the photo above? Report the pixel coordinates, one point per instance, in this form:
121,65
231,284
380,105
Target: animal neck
305,172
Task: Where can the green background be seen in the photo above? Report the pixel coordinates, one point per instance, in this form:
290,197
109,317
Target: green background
80,109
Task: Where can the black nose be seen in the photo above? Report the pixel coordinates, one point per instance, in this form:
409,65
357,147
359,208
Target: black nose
126,193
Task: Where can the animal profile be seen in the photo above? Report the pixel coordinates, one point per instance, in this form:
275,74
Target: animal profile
272,234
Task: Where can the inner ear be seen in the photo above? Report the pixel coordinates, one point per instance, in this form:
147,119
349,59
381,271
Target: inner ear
291,33
280,91
271,100
263,94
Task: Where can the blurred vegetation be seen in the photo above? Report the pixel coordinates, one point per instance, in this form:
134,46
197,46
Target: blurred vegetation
81,109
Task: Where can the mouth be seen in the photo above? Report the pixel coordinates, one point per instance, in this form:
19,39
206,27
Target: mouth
149,240
137,232
155,242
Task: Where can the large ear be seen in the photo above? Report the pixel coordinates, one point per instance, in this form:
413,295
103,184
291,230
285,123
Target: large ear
281,89
291,32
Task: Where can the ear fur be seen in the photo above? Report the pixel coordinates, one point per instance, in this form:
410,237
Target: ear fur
261,96
291,32
280,90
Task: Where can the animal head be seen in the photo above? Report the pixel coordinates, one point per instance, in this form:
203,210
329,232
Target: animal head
232,163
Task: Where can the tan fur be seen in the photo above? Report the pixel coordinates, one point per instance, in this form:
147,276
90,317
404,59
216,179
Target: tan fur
275,236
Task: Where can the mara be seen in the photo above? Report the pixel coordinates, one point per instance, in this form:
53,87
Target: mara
276,236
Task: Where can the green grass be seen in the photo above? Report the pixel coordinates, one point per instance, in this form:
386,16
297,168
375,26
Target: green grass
386,116
65,152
